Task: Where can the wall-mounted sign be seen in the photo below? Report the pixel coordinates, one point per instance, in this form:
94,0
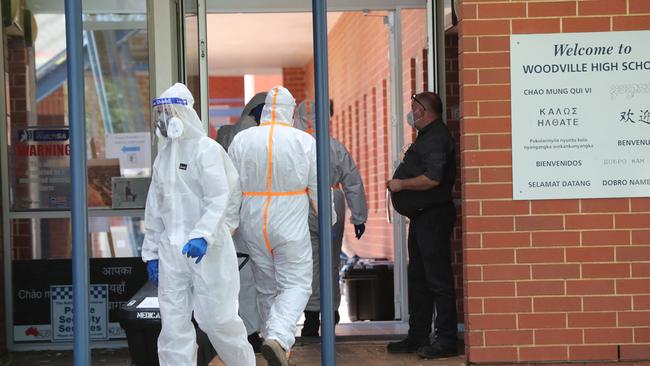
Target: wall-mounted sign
580,115
130,192
40,173
133,149
40,296
62,309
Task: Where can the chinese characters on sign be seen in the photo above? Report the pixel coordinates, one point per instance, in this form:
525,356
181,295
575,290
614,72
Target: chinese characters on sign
643,116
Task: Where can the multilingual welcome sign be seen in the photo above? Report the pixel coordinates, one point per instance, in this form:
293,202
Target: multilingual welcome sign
580,115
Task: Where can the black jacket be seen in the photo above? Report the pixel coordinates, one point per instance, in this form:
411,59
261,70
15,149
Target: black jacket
432,155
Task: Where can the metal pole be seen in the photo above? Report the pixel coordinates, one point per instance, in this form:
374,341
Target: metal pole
328,351
79,206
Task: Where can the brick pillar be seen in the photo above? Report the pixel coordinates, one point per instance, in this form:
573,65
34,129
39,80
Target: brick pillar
16,63
293,78
553,280
452,101
16,68
3,335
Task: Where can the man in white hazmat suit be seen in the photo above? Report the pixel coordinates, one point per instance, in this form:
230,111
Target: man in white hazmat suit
343,174
248,310
193,183
277,170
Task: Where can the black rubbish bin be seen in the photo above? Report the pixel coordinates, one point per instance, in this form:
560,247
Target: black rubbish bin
142,327
369,290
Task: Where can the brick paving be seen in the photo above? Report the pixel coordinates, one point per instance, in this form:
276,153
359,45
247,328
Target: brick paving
348,354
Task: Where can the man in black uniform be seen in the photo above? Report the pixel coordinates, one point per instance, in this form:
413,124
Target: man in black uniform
421,189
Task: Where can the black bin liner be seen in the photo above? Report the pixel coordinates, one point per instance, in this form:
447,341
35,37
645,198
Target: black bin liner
142,327
369,290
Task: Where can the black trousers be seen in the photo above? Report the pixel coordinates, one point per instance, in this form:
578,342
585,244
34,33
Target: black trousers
430,278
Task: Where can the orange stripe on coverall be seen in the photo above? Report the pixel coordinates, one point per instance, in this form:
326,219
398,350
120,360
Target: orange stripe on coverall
269,175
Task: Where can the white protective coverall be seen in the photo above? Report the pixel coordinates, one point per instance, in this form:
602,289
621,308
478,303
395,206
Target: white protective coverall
190,191
277,170
343,172
248,310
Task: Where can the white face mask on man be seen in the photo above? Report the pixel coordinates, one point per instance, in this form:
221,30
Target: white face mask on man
410,119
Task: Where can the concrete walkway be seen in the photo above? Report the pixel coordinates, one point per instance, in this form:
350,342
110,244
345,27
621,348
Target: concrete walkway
347,354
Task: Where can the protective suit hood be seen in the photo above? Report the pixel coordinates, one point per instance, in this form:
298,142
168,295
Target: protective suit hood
256,100
279,106
183,109
246,120
305,118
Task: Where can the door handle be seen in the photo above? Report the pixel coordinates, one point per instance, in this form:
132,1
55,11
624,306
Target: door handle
389,217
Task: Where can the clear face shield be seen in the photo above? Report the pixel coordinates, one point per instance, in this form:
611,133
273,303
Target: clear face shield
165,117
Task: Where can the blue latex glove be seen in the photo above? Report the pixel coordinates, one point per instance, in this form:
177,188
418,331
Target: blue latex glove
152,270
195,248
359,230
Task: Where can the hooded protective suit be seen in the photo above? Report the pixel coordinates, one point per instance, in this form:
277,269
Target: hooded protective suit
343,172
247,293
246,120
277,170
225,135
193,185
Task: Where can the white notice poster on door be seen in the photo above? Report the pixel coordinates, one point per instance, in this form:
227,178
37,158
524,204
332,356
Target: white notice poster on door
580,115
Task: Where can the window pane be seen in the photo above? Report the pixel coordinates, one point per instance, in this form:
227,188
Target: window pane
116,101
110,237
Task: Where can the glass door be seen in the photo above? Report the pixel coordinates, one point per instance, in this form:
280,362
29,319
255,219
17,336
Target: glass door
34,154
378,57
193,59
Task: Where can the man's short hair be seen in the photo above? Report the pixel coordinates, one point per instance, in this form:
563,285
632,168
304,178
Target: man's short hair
431,101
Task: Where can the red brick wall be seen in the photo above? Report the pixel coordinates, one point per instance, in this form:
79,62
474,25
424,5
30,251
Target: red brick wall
452,104
225,87
264,83
563,280
358,82
293,78
358,74
359,86
16,65
15,61
3,335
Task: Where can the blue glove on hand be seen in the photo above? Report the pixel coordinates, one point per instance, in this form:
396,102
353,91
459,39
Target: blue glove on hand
152,270
195,248
359,230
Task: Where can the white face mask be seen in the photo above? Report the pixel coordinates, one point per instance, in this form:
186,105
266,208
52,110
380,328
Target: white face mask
410,119
174,128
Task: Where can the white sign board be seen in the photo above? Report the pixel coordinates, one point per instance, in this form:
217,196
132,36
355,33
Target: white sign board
62,310
133,149
580,115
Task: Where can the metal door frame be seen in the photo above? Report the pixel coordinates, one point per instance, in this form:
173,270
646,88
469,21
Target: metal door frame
400,253
436,67
203,55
